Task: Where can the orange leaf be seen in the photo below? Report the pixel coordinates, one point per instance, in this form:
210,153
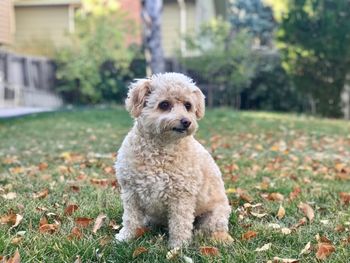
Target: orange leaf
8,219
345,198
296,192
43,221
138,251
209,251
307,210
249,235
74,188
16,258
43,166
99,182
83,221
41,194
70,209
75,233
16,240
275,197
324,250
281,212
300,223
140,231
48,228
98,222
243,195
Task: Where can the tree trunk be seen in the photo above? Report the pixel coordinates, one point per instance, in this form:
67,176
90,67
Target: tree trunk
345,98
151,16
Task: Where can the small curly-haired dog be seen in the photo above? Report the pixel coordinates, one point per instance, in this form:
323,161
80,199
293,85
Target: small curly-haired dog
166,176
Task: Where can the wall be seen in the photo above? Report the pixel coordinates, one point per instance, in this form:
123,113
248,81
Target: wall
5,21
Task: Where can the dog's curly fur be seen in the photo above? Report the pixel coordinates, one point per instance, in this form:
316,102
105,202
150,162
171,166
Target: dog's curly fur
166,176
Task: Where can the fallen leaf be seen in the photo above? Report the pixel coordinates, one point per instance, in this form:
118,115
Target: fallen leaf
8,219
74,188
140,231
324,250
83,221
249,235
9,196
187,259
75,233
275,197
16,258
264,247
70,209
230,191
48,228
43,221
243,195
42,194
300,223
306,249
281,212
285,260
209,251
286,231
78,260
18,220
307,210
16,170
99,182
258,215
296,192
113,225
43,166
98,222
345,198
16,240
138,251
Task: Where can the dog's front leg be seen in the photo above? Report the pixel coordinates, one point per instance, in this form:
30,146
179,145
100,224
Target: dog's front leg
132,218
181,217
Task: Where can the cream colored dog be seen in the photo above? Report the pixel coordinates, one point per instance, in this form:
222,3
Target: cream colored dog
166,175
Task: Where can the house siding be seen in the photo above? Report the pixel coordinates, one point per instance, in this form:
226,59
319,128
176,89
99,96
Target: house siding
42,24
5,21
171,25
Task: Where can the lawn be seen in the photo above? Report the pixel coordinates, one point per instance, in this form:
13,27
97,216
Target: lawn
56,172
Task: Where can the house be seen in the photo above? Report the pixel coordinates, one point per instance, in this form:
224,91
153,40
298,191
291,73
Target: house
6,22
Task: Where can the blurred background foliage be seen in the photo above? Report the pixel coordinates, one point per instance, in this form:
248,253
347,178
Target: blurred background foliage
287,55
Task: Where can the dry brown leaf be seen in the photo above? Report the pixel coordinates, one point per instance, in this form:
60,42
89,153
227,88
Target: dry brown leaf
43,166
281,212
70,209
98,222
16,258
296,192
99,182
8,219
324,250
300,223
138,251
113,225
83,221
345,198
42,194
275,197
243,195
17,170
18,220
43,221
74,188
75,233
140,231
16,240
49,228
209,251
307,210
249,235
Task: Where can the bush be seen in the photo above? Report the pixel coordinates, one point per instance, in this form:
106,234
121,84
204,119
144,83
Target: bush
95,66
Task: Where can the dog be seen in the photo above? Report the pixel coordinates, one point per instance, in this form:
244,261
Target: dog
166,176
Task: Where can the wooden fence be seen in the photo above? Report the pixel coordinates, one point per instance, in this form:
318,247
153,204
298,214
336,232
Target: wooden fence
27,81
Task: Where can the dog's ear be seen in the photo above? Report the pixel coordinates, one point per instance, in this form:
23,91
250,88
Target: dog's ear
137,94
199,103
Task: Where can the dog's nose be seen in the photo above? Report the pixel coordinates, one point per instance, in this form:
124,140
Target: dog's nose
185,122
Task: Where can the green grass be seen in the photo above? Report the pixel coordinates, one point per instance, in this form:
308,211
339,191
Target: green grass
284,150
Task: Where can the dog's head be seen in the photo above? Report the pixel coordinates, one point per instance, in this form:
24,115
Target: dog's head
167,104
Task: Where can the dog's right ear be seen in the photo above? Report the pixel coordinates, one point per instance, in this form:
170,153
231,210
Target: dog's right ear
137,94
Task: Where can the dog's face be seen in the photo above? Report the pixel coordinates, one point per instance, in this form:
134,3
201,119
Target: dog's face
166,105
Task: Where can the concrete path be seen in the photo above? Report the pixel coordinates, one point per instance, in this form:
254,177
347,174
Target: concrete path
20,111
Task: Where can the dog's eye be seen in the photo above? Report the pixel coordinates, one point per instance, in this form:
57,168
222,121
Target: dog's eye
164,105
188,106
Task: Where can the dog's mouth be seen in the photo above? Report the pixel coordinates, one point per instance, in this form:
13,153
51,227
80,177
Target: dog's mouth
179,130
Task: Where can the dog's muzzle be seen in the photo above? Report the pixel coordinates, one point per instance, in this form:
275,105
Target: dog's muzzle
185,124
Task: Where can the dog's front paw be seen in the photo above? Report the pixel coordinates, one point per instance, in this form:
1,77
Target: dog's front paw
124,235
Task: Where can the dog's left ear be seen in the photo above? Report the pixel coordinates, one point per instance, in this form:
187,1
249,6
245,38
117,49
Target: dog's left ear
138,92
199,103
